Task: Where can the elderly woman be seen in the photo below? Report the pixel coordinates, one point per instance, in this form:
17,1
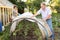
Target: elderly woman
15,12
14,15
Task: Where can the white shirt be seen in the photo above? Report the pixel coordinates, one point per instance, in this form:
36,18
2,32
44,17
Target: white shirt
44,13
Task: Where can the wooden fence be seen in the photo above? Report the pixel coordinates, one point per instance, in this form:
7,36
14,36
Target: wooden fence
5,14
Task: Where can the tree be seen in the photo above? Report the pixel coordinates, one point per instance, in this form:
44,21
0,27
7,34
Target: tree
32,4
21,5
56,5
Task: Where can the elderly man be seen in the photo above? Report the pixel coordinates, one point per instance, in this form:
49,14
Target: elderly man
46,15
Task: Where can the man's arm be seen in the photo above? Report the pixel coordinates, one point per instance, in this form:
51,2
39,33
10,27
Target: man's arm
38,12
35,15
16,12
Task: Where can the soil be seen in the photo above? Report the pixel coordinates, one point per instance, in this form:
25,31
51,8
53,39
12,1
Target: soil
25,35
21,36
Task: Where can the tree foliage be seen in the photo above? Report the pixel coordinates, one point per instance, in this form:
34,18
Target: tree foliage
35,4
56,5
21,5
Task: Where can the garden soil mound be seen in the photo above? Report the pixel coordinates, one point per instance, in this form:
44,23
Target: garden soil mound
26,31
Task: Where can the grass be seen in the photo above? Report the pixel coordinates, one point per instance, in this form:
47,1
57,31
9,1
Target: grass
5,35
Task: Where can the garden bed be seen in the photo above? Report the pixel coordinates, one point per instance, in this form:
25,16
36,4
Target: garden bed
26,31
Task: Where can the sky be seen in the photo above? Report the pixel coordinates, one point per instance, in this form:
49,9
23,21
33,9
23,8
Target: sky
24,0
47,1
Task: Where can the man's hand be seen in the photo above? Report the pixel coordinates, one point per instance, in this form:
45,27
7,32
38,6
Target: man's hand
34,15
10,19
44,19
48,17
